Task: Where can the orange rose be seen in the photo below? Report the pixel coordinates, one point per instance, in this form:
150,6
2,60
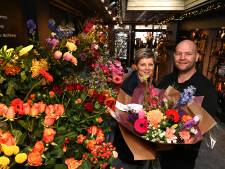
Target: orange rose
48,135
34,159
78,101
49,121
26,108
99,120
39,147
59,110
7,138
90,92
3,109
10,114
50,109
41,107
72,163
34,110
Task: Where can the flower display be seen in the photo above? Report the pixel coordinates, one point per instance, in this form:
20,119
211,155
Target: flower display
54,99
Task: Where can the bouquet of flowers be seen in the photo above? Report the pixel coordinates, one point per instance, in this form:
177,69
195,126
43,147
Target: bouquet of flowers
165,116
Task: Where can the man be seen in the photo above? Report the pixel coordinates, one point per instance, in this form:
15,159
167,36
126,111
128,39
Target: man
185,58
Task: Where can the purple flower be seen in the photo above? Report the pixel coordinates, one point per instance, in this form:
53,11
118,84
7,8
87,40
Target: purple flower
132,117
191,123
52,42
31,26
186,96
51,25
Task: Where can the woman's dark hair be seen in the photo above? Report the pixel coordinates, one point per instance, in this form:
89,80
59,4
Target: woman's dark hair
143,53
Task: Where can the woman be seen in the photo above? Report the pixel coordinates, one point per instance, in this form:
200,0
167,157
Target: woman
144,65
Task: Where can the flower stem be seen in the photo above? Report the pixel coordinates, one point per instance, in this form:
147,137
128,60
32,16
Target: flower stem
35,85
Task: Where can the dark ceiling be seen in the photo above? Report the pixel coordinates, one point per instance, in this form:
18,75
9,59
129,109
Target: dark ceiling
91,8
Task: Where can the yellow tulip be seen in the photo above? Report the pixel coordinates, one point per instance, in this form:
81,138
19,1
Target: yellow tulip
4,161
16,149
21,158
8,150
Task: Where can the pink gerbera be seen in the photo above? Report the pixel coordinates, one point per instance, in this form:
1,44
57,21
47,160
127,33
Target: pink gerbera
141,126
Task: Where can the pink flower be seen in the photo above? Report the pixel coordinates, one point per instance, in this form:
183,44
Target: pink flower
67,56
170,134
141,114
50,109
141,126
59,110
34,110
41,106
185,135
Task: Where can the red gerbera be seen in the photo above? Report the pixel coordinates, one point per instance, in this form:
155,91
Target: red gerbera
171,113
18,106
141,126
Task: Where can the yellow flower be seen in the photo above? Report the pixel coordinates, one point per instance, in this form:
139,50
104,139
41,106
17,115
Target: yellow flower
4,161
8,150
21,158
71,46
25,50
37,65
16,149
154,117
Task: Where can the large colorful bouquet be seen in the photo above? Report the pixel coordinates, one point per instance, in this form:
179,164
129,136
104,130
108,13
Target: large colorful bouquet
165,116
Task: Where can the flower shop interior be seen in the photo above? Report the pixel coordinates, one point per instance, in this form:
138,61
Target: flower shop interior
62,63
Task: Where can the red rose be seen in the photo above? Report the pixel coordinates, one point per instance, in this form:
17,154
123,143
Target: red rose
101,98
89,107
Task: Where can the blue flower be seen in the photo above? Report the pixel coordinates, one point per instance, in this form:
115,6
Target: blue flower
186,96
31,25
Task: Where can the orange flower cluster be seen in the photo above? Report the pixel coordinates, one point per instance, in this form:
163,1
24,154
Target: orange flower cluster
6,138
11,69
34,157
72,163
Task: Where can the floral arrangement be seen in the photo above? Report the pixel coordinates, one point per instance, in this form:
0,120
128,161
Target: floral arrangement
53,100
162,119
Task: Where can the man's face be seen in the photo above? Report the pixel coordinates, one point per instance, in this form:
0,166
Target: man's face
185,56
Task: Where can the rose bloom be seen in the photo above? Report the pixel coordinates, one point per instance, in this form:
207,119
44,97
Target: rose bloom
18,106
48,135
26,108
39,147
34,159
81,138
10,114
49,120
72,163
3,109
34,110
59,110
50,109
7,139
42,107
78,101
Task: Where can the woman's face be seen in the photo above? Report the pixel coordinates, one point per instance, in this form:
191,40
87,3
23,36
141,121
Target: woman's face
145,68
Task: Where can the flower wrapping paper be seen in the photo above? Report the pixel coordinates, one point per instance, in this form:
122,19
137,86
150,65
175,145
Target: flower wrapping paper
146,150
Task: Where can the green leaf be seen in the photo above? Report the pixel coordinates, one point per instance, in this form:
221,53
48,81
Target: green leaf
11,88
57,152
23,76
23,123
60,166
17,134
97,106
85,165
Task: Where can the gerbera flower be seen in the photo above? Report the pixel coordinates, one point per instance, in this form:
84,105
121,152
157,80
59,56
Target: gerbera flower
18,106
141,126
171,113
117,79
154,117
11,69
46,75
